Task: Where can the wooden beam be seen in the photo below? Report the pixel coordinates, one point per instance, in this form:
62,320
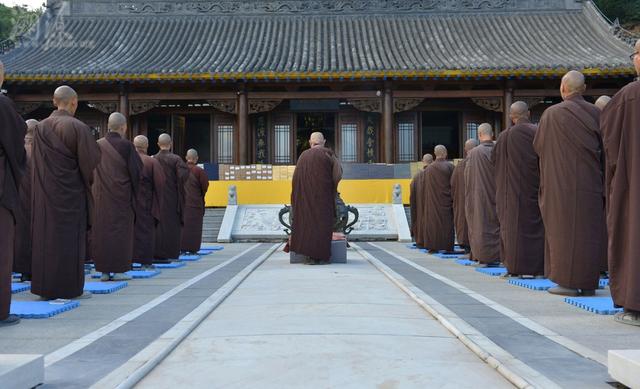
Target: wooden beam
183,96
24,98
556,92
447,94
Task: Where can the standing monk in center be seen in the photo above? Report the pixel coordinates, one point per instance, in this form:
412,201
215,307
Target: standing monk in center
518,182
313,201
569,145
169,228
115,185
148,204
416,202
480,192
195,190
64,157
458,195
439,231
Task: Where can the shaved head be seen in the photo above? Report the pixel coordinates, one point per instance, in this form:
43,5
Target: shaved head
519,110
164,142
427,159
470,145
485,132
317,139
440,151
192,156
141,143
65,99
118,123
636,58
31,127
602,102
573,83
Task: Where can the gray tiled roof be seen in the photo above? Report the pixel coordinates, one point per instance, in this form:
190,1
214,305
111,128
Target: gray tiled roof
150,43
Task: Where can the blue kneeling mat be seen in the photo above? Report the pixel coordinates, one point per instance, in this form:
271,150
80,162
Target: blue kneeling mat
465,262
41,309
598,305
204,252
535,284
603,283
447,256
190,258
104,287
492,271
412,246
16,275
172,265
212,248
17,287
134,274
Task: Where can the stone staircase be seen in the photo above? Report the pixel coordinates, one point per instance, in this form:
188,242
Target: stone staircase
211,224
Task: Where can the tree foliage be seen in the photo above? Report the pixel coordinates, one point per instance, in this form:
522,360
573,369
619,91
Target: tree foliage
16,17
627,11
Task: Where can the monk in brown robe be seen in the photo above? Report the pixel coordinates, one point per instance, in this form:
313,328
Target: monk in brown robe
195,190
517,185
12,166
620,122
416,202
480,201
22,246
439,231
458,195
169,229
115,185
148,204
569,145
313,197
65,155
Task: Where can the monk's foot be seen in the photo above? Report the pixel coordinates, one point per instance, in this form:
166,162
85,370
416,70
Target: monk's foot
487,265
628,317
509,275
120,277
162,260
562,291
148,267
587,292
25,277
10,321
84,296
322,262
105,277
539,277
309,261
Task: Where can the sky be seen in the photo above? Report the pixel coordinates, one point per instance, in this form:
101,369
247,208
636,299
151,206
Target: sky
28,3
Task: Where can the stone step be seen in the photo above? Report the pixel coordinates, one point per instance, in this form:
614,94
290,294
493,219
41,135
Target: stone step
624,367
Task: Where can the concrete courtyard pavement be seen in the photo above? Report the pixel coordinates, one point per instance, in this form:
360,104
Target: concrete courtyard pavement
328,326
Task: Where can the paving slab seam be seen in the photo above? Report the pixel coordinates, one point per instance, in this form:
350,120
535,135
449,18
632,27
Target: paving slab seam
577,348
482,346
140,365
90,338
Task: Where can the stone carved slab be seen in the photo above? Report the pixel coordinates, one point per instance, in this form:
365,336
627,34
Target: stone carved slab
260,222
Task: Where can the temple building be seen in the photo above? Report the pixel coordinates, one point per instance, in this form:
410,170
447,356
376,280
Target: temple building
246,82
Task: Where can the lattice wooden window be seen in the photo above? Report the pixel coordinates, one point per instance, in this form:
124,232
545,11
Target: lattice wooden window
349,142
225,143
282,142
406,141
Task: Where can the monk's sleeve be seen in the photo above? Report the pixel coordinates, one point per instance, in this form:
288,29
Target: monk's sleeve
12,137
204,181
89,154
412,205
611,125
135,169
336,170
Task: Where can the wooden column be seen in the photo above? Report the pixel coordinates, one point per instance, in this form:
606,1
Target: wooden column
507,100
123,106
387,123
243,132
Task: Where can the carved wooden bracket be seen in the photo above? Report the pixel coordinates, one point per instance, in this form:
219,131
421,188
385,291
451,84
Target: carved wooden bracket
367,105
489,103
107,107
257,106
401,105
28,107
138,107
228,106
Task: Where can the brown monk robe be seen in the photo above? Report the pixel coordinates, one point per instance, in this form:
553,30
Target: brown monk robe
438,228
620,122
195,190
416,202
457,193
480,200
12,166
64,157
169,228
22,246
517,185
313,196
148,201
569,145
115,185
